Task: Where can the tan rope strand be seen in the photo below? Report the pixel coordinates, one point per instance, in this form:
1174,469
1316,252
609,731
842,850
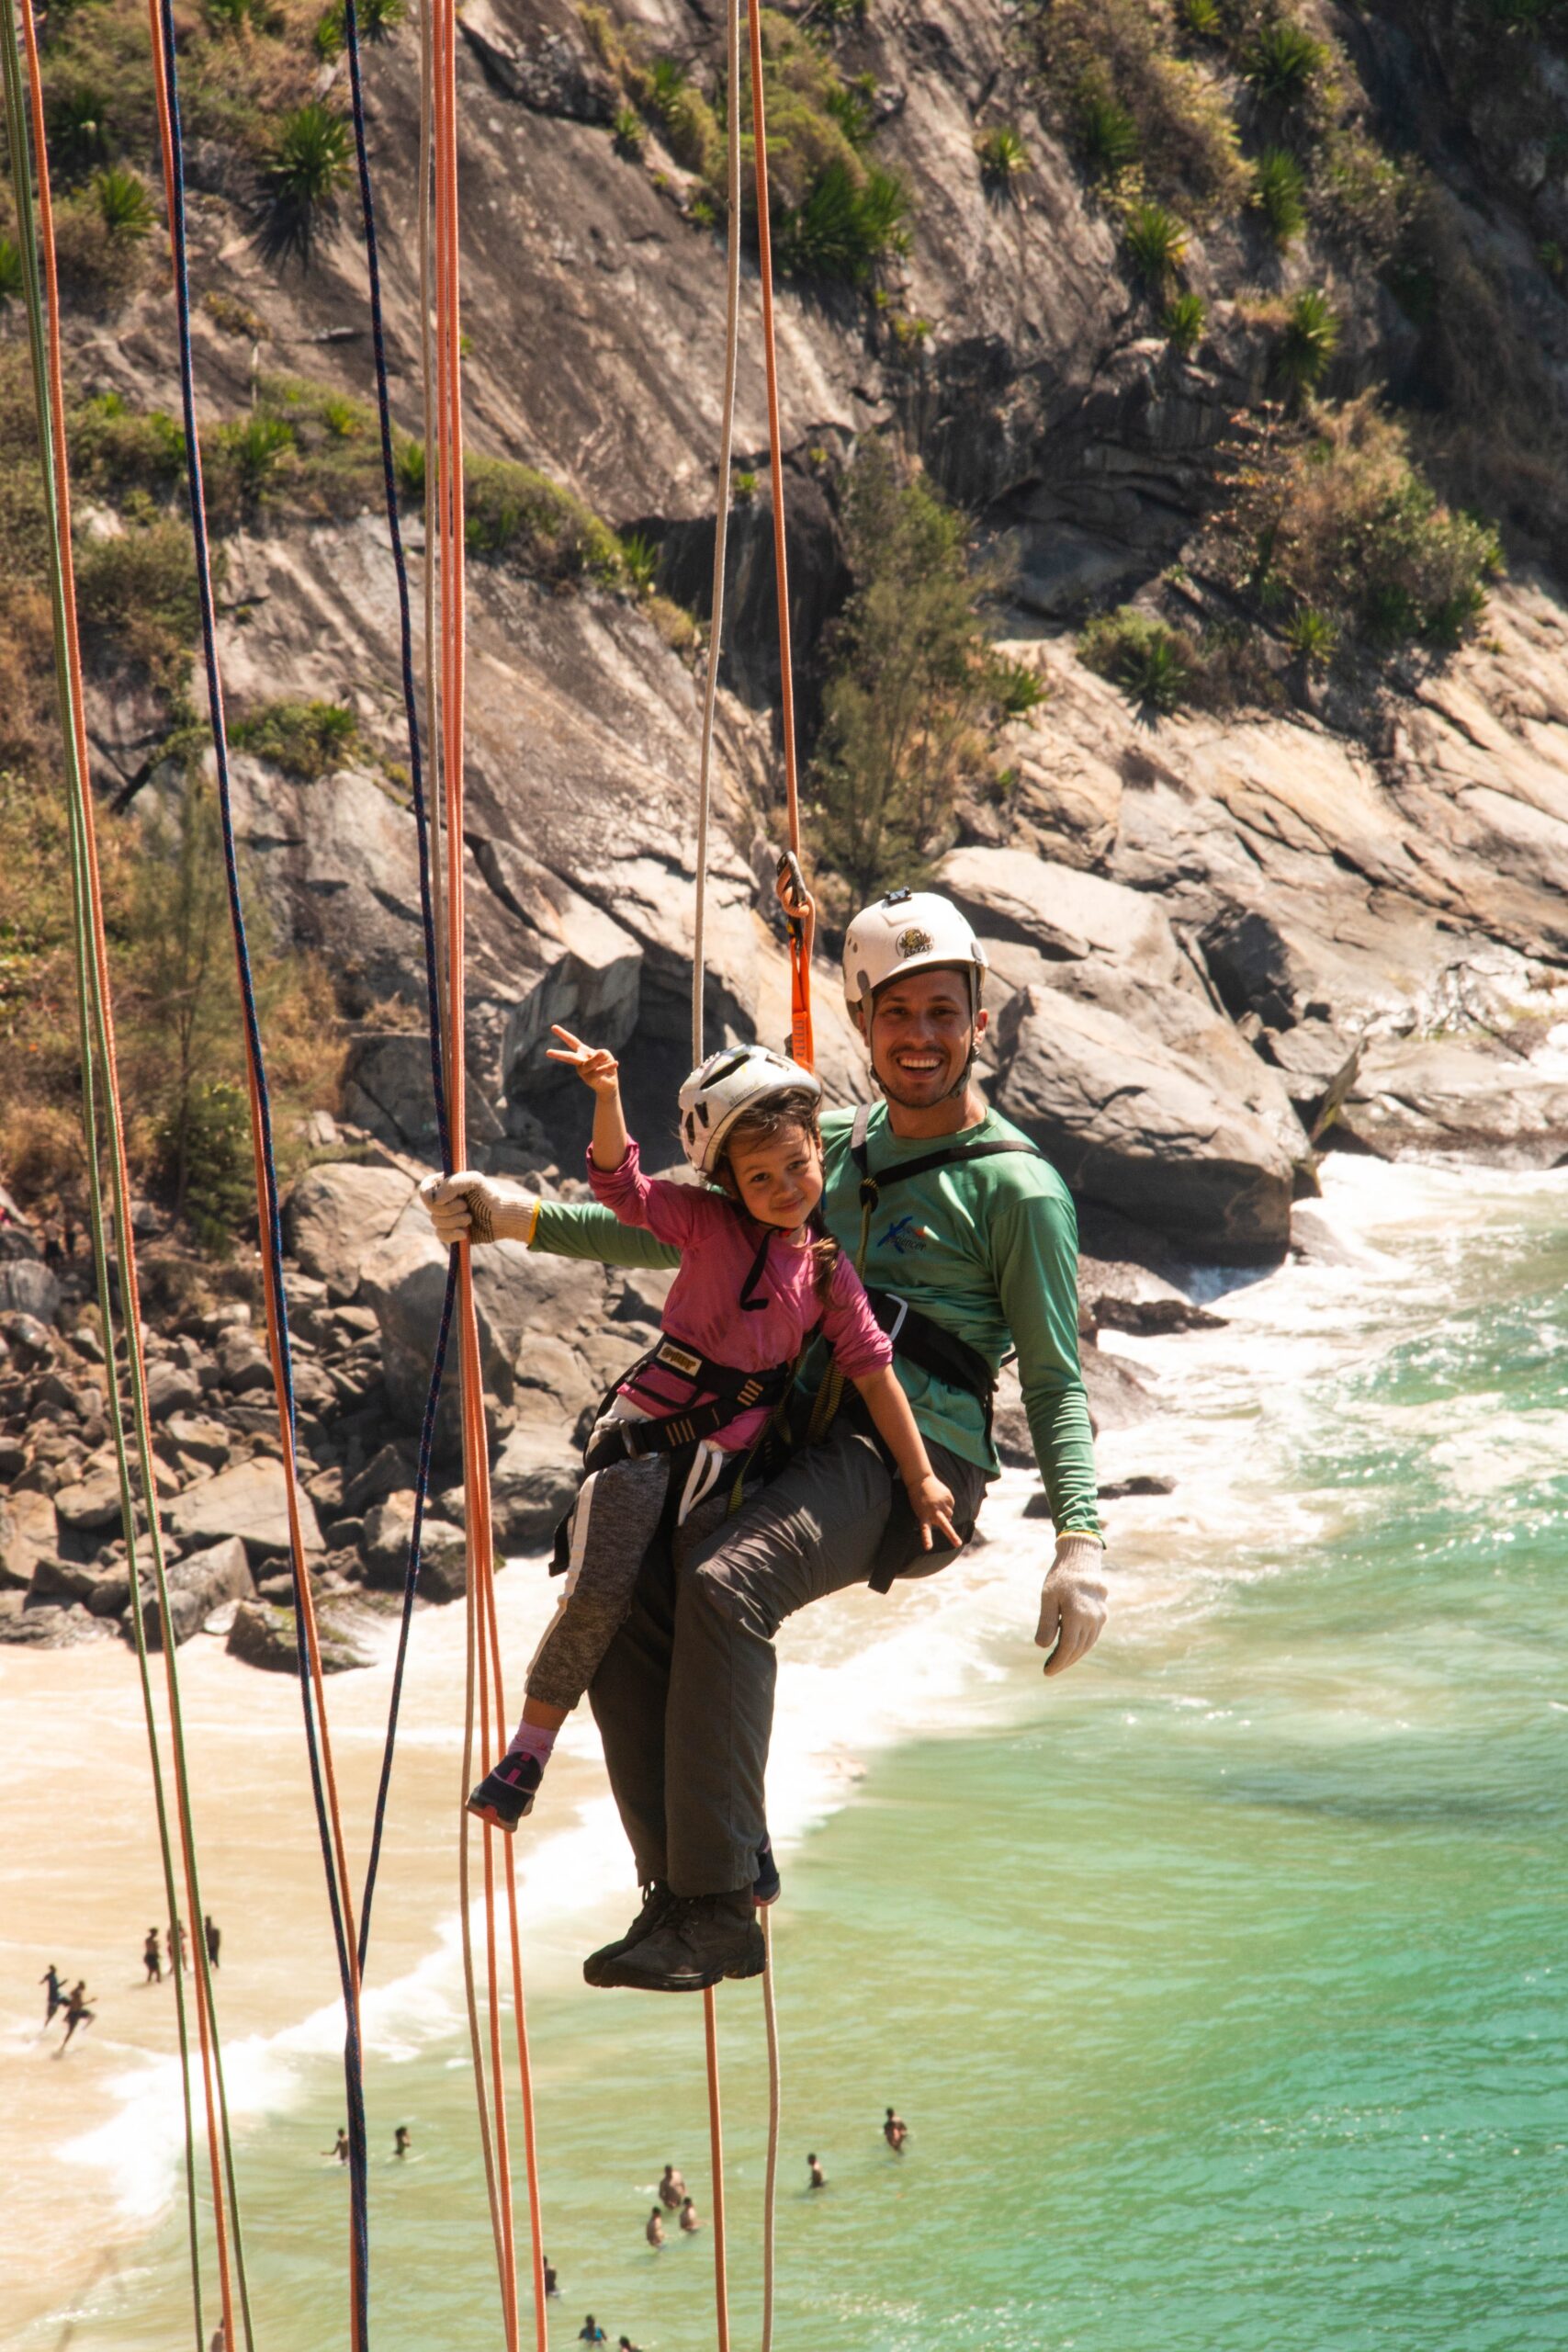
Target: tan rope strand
776,2089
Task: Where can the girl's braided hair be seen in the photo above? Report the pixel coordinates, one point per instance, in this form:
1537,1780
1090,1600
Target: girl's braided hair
791,1109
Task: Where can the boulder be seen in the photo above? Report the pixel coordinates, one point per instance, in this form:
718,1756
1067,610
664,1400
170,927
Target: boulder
1444,1098
1017,900
243,1361
199,1583
92,1500
52,1628
172,1388
337,1213
199,1439
1143,1129
532,1485
30,1341
443,1551
264,1635
27,1287
249,1501
1119,1393
29,1533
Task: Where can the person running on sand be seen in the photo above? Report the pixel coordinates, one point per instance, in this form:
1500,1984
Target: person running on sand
76,2010
400,2138
671,2190
819,2177
755,1283
654,2229
690,2220
969,1236
339,2149
153,1957
895,2130
214,1939
51,1981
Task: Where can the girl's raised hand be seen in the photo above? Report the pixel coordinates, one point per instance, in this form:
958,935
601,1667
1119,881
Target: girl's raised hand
598,1069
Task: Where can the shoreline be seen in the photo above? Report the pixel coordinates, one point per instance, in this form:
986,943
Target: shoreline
85,2130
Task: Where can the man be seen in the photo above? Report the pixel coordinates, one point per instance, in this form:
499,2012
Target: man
895,2130
76,2010
591,2332
54,1993
653,2228
819,2177
672,2188
214,1936
970,1239
153,1957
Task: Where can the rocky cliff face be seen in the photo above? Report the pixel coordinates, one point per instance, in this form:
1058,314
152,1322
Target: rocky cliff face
1221,940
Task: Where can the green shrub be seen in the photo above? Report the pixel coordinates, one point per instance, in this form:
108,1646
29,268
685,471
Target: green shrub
1282,63
852,107
308,161
306,740
205,1162
247,454
517,515
1018,688
378,18
1307,348
745,489
408,464
627,130
639,560
1311,635
844,226
114,447
1156,243
136,598
1004,158
1281,195
124,205
1183,322
1201,18
13,283
343,418
1140,654
1126,96
76,120
1105,133
690,127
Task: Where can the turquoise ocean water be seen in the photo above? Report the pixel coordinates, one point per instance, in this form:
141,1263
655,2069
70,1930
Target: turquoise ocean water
1223,1984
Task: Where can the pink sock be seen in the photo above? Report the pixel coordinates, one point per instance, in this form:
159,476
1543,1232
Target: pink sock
533,1739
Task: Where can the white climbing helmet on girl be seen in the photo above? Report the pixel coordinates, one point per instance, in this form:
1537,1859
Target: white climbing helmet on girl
907,930
734,1079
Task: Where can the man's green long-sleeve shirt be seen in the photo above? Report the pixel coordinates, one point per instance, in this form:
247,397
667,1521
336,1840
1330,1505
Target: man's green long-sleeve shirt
986,1247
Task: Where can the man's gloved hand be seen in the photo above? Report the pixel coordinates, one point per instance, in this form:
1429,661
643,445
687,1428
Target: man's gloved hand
466,1207
1072,1602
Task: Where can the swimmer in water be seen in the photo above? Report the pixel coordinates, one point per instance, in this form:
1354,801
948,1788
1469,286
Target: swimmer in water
672,2188
400,2141
690,2220
895,2131
339,2149
654,2231
818,2179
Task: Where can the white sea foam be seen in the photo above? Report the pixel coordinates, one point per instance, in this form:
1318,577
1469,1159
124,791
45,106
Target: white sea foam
868,1673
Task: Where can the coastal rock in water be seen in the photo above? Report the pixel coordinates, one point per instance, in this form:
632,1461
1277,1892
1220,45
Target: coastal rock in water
249,1501
532,1485
1436,1096
1120,1394
338,1212
199,1583
264,1635
52,1628
1143,1129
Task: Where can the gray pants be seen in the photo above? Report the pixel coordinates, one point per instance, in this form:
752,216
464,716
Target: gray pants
684,1696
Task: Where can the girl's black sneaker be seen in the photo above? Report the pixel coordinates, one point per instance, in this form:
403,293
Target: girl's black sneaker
766,1885
507,1792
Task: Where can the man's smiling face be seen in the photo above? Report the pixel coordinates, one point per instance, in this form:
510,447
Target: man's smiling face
920,1035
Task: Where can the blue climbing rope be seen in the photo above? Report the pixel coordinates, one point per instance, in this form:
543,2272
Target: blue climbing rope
427,912
271,1225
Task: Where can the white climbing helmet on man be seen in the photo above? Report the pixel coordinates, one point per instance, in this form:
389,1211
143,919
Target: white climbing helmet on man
907,930
734,1079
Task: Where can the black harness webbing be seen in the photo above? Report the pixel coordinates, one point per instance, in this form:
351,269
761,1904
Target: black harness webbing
731,1392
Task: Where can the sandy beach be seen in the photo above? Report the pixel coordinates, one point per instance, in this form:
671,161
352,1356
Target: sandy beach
81,1882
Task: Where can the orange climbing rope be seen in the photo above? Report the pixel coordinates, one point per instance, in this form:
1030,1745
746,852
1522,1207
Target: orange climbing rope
486,1709
220,2152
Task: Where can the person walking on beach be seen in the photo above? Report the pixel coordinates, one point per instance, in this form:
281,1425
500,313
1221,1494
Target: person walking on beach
76,2010
967,1240
153,1957
339,2149
214,1937
654,2231
819,2177
53,1996
690,2220
895,2130
591,2332
671,2190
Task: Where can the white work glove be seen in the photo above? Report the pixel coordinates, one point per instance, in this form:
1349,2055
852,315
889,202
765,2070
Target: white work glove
466,1207
1072,1602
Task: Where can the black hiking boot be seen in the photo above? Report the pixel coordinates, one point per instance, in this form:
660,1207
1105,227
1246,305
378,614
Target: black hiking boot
507,1792
703,1939
657,1901
767,1887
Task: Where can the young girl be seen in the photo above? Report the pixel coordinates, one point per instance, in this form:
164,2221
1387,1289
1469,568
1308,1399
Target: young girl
754,1284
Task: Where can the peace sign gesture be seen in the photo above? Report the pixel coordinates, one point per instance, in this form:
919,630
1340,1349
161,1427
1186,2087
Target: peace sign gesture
597,1069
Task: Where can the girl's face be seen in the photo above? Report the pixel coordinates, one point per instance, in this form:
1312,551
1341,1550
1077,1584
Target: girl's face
778,1183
